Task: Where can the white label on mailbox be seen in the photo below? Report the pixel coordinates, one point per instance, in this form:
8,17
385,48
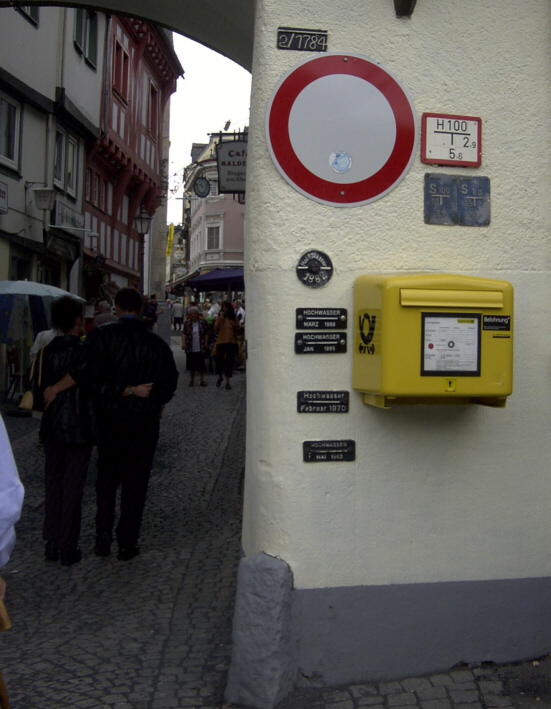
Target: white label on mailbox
451,344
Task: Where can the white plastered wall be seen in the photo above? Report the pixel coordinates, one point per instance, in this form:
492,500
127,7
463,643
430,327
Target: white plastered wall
436,493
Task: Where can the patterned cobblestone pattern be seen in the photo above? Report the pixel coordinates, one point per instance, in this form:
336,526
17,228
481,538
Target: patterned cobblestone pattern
155,632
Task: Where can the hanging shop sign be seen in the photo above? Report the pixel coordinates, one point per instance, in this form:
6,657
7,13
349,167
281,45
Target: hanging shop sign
341,130
448,139
231,156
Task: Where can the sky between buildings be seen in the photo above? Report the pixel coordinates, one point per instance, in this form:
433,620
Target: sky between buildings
214,90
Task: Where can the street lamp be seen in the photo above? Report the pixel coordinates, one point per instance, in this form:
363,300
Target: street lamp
142,224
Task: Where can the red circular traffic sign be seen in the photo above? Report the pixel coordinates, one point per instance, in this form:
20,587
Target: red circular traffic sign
341,130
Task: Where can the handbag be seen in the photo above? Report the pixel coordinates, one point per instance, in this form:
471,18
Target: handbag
32,399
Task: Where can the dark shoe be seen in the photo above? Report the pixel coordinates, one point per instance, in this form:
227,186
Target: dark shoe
68,558
51,552
103,544
127,553
228,385
219,381
203,384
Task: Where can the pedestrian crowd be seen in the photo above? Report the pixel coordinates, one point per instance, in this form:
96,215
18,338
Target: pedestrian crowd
213,337
103,382
106,388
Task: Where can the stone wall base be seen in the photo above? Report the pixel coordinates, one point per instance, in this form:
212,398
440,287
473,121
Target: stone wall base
326,637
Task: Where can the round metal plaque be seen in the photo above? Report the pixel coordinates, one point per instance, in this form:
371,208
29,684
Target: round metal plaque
314,269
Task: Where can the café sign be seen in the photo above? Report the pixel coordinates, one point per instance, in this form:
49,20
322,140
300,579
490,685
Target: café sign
231,156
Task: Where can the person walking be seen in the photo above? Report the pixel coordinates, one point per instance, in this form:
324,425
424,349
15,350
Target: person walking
177,314
11,503
225,328
131,374
66,433
104,314
195,343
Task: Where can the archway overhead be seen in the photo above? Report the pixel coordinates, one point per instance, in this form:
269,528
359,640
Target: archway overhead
225,27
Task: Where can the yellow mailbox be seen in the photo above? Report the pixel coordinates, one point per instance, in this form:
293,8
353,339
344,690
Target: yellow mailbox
432,339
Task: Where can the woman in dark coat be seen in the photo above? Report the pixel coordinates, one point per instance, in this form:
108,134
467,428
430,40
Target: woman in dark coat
66,434
195,343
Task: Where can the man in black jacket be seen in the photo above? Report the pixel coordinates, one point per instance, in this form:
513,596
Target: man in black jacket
65,431
130,373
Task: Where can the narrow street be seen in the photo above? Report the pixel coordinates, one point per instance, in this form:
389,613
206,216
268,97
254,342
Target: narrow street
154,632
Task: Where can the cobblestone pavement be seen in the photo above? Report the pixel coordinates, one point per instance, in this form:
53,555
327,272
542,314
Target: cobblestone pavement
155,632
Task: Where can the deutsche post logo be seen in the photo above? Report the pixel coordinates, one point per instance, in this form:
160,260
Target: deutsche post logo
367,324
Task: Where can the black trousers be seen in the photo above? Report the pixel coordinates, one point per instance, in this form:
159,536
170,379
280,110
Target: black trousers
65,474
225,358
126,447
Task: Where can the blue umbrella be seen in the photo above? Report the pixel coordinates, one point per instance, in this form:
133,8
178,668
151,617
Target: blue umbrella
25,307
24,312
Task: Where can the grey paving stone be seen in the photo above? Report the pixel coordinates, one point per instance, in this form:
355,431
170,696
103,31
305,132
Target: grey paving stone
414,684
402,699
493,700
441,680
436,704
432,692
373,701
464,696
462,675
369,691
490,686
390,688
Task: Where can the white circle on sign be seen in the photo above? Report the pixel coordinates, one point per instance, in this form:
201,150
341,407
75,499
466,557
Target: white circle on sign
340,162
359,119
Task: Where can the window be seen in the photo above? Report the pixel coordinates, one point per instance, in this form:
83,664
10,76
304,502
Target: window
66,163
120,70
213,188
153,111
213,237
71,166
59,158
29,12
86,35
10,114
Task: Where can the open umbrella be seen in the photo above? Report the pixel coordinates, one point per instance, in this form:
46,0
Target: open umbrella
24,308
24,312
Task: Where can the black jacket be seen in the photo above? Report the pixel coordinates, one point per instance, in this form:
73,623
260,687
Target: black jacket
68,418
121,354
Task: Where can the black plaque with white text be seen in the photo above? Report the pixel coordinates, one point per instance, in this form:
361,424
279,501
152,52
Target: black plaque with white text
328,451
320,342
322,402
321,318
